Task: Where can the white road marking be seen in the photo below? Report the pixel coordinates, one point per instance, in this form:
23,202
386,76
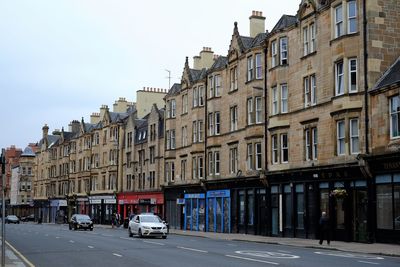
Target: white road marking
127,238
267,254
71,241
156,243
349,255
369,262
118,255
57,237
232,245
90,246
250,259
284,251
106,235
193,249
46,235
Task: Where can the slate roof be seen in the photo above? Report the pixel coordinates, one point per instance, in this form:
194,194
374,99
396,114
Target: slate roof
175,89
115,116
284,22
51,140
390,77
246,41
198,74
28,152
141,130
220,63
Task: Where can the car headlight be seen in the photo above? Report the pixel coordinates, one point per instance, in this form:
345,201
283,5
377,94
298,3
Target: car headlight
164,228
146,227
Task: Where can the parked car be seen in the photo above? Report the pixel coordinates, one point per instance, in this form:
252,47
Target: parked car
147,225
80,221
29,218
12,219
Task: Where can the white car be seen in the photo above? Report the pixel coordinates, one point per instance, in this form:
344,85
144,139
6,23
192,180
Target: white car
147,225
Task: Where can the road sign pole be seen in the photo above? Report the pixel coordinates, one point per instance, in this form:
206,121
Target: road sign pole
3,208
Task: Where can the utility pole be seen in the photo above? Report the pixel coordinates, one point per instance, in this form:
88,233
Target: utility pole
3,208
169,78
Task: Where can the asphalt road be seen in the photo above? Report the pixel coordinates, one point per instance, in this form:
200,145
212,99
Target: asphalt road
55,245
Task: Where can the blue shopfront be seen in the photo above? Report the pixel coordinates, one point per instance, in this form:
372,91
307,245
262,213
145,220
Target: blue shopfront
194,212
218,211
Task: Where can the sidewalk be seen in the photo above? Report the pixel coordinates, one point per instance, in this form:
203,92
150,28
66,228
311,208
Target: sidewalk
375,248
11,258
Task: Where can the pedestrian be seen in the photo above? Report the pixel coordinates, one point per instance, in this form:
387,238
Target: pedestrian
325,228
113,219
117,219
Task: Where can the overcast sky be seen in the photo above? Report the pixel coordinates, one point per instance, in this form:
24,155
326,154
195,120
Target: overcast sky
61,60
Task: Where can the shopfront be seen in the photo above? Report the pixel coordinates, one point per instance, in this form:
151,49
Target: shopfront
137,202
218,218
58,210
82,205
102,207
42,210
194,211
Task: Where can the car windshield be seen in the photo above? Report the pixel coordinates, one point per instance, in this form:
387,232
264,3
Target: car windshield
12,217
150,219
82,217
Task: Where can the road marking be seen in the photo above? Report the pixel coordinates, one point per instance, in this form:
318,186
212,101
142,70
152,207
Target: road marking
90,246
284,251
46,235
156,243
30,264
127,238
349,255
118,255
57,237
250,259
107,235
71,241
369,262
267,254
232,245
193,249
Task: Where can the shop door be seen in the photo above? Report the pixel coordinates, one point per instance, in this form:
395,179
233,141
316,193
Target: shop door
360,205
261,226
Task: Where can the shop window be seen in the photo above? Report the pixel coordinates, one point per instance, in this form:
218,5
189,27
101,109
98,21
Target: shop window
275,209
288,207
394,116
300,206
250,208
388,201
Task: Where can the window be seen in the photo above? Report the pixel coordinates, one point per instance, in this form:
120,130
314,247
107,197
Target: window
274,144
211,90
284,50
184,103
201,96
352,16
284,98
172,164
394,116
233,160
352,75
305,41
183,169
354,139
217,79
194,129
274,100
200,167
173,108
312,38
258,66
249,156
216,163
200,130
388,201
168,140
338,21
250,68
339,79
234,118
234,79
309,91
311,143
194,168
210,163
250,112
173,143
210,124
340,137
217,123
184,136
258,156
195,97
274,54
284,148
258,110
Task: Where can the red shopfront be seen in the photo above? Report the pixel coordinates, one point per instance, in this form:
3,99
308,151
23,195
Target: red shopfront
136,203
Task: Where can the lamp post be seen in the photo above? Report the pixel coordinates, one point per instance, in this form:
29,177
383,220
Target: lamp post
3,208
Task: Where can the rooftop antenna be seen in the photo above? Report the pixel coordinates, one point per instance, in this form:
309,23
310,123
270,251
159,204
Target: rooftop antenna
169,78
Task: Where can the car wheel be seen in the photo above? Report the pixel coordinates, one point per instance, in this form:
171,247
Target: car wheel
130,232
91,229
75,227
164,237
140,233
18,222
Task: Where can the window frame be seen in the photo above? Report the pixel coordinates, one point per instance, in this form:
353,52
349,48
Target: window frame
394,115
354,136
283,50
284,98
340,138
350,78
250,68
339,78
350,18
258,66
284,147
339,23
274,54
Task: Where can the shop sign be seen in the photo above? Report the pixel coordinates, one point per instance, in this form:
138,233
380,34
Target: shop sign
145,201
218,193
110,201
121,202
194,195
180,201
95,201
82,199
62,203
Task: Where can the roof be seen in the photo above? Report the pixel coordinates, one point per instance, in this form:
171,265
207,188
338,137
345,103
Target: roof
198,74
246,41
390,77
28,152
51,140
220,63
115,116
175,89
284,22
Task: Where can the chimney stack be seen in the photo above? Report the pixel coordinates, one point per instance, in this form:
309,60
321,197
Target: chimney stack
204,60
45,130
257,23
74,126
103,109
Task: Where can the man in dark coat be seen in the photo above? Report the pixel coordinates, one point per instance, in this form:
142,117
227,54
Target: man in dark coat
325,228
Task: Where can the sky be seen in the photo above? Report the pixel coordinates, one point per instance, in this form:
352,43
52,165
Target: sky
61,60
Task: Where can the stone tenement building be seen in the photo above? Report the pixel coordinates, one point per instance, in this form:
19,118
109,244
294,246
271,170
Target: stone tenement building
290,123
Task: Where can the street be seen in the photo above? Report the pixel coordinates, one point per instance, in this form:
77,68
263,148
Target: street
55,245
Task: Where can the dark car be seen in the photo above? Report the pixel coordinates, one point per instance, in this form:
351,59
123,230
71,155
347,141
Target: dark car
80,221
12,219
29,218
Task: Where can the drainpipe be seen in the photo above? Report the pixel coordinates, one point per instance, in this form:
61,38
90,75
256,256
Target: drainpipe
265,107
205,133
365,77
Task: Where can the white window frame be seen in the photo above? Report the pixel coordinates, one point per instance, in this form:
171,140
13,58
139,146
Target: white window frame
210,163
283,45
173,142
195,97
258,60
306,44
211,85
315,143
274,100
258,156
217,164
312,38
250,112
351,18
173,108
234,79
274,149
394,116
258,102
353,71
194,168
339,78
284,147
184,103
341,139
339,31
200,130
217,123
233,160
217,79
201,95
250,68
249,160
284,98
200,167
354,136
211,124
234,118
194,132
274,54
